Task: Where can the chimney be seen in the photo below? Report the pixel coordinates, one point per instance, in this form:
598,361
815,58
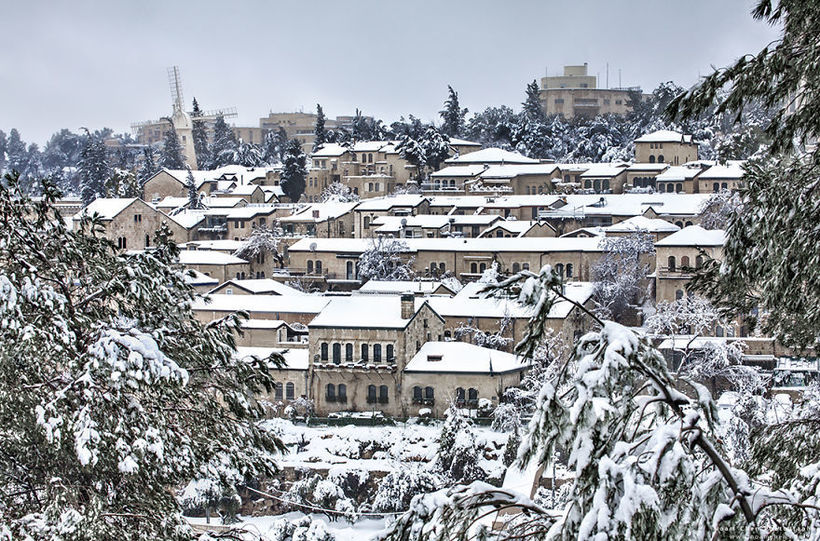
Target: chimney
408,305
316,214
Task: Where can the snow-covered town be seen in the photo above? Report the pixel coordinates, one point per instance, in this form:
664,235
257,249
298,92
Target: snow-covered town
562,308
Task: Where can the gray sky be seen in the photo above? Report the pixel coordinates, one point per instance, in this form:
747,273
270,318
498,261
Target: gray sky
95,64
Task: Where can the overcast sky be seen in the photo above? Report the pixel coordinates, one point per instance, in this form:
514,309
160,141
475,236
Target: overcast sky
95,64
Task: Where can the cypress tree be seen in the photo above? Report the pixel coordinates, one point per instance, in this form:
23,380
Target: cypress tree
200,137
453,115
294,171
171,156
224,144
93,169
320,136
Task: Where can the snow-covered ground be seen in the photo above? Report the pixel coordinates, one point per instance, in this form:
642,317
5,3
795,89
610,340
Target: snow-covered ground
375,448
266,527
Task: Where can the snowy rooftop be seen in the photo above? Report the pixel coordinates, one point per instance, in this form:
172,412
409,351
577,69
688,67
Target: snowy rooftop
463,142
188,218
678,173
635,204
387,203
208,257
262,324
286,304
512,171
732,169
463,357
664,136
472,301
432,221
199,279
401,286
251,211
459,171
642,223
521,244
107,208
604,170
329,150
325,211
518,227
261,286
363,311
491,155
652,167
225,245
694,235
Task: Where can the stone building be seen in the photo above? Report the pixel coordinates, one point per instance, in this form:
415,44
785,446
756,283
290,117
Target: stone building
665,146
679,254
359,347
130,222
576,93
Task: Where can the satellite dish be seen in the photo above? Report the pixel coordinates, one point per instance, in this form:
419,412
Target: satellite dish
312,246
404,222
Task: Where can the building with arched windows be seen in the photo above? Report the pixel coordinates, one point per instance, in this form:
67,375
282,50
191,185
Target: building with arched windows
665,146
679,255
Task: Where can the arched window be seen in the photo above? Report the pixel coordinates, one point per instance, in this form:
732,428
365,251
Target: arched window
723,186
459,395
660,158
330,392
441,267
318,267
559,268
417,394
525,266
364,352
371,394
348,353
516,267
389,353
596,185
341,393
290,391
587,184
377,353
679,224
499,233
473,268
716,187
678,294
278,389
482,267
324,351
370,158
699,261
472,395
678,187
337,353
429,394
569,270
670,263
382,394
684,261
605,184
651,159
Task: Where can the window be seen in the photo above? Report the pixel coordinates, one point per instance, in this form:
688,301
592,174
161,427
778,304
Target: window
330,393
277,390
459,395
482,267
310,267
337,353
715,187
441,268
516,267
651,159
137,218
569,270
290,391
324,351
389,352
382,394
417,394
699,261
670,263
660,157
559,268
377,353
474,267
122,243
318,267
678,187
371,394
147,241
364,352
678,294
348,353
366,222
472,396
684,261
341,393
429,394
559,101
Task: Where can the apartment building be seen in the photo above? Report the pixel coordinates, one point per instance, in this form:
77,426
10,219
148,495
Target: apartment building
576,93
665,146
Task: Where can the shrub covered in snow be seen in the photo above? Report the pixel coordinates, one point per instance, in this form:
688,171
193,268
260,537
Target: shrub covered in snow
401,485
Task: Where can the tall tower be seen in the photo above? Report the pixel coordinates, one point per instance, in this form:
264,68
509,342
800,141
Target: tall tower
182,120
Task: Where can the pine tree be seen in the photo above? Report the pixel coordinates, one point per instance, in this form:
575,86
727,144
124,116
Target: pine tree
224,143
148,167
294,171
171,155
320,136
113,393
273,147
200,136
16,154
93,168
3,150
533,110
193,195
453,115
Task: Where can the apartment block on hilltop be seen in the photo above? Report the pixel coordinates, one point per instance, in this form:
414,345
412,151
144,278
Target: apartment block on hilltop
576,93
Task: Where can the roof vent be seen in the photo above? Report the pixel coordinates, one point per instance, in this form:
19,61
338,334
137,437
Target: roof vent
434,358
